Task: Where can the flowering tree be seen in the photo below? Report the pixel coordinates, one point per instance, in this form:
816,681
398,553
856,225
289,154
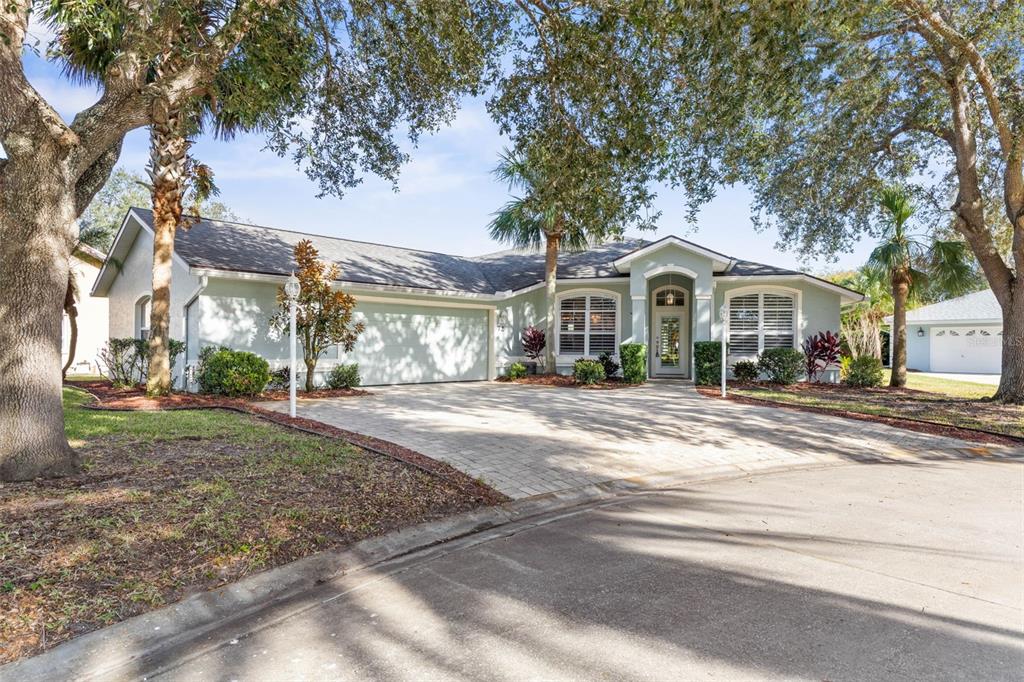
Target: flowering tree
323,315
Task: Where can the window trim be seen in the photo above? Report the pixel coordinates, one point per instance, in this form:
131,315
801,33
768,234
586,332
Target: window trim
798,317
141,319
561,358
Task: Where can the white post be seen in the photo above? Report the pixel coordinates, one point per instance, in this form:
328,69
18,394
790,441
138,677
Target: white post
291,344
724,314
292,290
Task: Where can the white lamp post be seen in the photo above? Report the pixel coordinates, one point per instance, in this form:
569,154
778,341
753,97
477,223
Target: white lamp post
291,290
723,314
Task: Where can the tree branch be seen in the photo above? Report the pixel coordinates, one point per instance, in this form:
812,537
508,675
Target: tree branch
93,179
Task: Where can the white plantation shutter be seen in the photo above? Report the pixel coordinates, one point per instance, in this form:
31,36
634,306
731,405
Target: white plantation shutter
601,336
744,324
761,321
778,321
587,325
572,326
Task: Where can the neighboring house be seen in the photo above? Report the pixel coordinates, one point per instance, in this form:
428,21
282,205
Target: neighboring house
92,314
435,317
961,335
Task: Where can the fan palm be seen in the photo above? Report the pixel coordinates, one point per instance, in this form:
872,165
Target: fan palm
910,262
529,222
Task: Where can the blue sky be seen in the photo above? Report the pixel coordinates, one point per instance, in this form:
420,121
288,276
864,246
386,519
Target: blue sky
446,193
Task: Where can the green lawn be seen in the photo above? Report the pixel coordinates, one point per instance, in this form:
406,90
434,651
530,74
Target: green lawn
956,389
178,501
953,403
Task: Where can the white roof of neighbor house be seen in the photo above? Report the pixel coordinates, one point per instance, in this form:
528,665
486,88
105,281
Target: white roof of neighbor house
977,307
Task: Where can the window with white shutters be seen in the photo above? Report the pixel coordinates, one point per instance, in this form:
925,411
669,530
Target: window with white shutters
761,321
587,325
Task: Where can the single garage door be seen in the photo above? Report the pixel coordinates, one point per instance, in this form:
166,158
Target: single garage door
409,344
974,350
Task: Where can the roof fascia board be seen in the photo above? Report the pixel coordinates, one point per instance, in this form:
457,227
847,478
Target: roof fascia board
994,321
849,294
101,275
569,280
717,259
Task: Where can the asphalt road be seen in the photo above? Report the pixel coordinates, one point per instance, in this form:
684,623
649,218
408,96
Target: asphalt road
854,573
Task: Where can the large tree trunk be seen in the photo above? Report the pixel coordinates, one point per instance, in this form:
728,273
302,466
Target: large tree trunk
550,292
71,310
900,291
1011,383
167,156
37,210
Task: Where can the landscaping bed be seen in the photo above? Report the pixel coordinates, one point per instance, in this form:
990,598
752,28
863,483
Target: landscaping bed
566,381
173,502
936,413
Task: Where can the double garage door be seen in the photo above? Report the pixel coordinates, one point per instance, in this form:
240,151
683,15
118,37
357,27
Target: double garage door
974,350
418,344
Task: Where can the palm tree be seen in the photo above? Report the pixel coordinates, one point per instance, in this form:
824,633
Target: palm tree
527,222
910,262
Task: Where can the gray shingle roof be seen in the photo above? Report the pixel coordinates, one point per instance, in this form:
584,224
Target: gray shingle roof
239,247
981,305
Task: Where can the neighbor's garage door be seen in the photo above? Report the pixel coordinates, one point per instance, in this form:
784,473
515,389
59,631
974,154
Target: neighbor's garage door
406,344
976,350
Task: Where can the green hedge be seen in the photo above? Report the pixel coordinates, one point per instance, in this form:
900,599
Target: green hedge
634,362
707,360
588,372
233,373
781,365
864,372
344,376
516,370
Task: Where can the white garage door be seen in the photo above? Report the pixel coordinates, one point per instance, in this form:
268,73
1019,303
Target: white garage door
406,344
975,350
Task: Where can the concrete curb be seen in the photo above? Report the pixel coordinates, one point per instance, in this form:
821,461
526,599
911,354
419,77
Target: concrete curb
110,651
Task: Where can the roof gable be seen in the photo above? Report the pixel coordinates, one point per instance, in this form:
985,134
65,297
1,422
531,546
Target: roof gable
719,261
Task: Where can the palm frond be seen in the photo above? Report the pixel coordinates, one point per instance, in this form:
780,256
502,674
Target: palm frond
896,202
887,257
919,280
515,225
951,265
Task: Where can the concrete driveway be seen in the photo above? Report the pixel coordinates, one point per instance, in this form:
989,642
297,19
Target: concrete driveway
529,440
862,572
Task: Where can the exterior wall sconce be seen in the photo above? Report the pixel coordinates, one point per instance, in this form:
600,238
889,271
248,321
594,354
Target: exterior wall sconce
503,320
920,331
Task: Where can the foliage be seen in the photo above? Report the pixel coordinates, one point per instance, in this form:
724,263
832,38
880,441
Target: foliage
781,365
516,370
324,313
707,360
344,376
588,372
821,351
280,379
611,367
634,362
860,325
844,366
126,189
745,371
864,372
233,373
125,361
534,340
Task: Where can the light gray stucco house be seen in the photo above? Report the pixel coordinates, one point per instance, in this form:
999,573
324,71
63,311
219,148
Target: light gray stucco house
435,317
961,335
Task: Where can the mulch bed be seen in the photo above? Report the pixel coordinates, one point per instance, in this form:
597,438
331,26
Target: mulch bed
565,381
111,398
839,392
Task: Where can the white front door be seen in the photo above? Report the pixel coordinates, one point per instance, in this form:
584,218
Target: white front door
669,350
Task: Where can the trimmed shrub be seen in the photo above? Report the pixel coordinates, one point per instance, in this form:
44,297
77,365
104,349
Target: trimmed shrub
634,362
233,373
745,371
587,371
344,376
707,360
611,368
781,365
864,372
516,370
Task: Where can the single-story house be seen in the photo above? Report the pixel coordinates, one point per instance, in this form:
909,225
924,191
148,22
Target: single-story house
961,335
93,326
434,317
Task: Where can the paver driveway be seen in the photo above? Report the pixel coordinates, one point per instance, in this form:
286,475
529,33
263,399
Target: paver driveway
529,440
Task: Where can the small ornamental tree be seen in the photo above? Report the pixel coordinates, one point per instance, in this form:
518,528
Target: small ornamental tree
534,340
821,351
323,315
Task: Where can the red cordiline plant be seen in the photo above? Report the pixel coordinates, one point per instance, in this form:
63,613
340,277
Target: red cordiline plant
534,340
821,351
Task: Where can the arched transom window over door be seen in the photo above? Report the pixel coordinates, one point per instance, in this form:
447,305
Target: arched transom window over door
759,321
587,325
